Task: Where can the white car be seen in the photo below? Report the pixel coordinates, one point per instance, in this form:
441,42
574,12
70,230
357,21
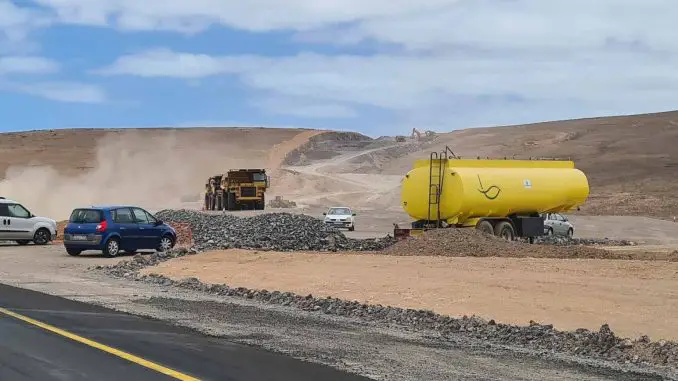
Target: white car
20,225
340,217
557,224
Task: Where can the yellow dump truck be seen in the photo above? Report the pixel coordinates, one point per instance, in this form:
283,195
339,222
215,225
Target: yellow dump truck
239,189
503,197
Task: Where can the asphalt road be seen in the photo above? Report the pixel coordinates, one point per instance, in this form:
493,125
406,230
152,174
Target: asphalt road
31,352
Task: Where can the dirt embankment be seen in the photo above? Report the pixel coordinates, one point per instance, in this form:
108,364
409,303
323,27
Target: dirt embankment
472,243
633,297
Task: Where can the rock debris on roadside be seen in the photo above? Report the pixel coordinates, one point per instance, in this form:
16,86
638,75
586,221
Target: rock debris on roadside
602,344
270,231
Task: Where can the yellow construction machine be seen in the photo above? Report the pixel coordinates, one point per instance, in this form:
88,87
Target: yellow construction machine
238,189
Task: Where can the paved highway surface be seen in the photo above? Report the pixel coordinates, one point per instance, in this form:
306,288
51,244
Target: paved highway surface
45,338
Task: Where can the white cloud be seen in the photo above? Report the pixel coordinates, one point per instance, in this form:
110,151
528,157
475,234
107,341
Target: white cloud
72,92
16,23
252,15
27,65
557,57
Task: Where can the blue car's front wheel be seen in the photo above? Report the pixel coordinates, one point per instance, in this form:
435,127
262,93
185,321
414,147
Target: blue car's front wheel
166,244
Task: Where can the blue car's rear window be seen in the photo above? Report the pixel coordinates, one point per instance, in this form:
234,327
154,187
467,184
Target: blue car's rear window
86,216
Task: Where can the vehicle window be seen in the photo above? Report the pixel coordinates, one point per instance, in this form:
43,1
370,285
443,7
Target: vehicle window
151,218
259,176
16,210
86,216
559,217
4,211
122,216
140,216
337,211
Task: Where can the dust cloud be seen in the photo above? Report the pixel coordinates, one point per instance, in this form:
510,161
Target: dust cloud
152,171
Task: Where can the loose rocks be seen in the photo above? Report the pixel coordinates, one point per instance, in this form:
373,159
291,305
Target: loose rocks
602,344
567,241
473,243
271,231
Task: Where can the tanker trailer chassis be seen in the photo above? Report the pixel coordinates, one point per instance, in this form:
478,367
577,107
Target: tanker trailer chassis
502,197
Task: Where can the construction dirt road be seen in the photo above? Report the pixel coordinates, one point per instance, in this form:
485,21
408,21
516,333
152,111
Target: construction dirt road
631,165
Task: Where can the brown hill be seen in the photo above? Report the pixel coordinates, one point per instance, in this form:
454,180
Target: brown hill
631,161
56,170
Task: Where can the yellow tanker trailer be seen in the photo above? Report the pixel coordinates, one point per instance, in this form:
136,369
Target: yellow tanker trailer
501,197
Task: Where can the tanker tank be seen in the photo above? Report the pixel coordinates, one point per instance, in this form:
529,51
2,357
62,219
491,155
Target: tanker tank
476,189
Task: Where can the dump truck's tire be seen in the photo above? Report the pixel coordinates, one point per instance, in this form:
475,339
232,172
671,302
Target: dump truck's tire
485,226
230,201
505,230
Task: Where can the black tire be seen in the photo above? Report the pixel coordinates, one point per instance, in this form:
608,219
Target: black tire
570,233
42,237
352,228
73,252
485,226
230,201
23,242
112,248
505,230
166,243
549,231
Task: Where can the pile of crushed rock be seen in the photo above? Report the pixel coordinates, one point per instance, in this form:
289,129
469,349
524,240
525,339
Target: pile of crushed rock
473,243
571,241
602,344
270,231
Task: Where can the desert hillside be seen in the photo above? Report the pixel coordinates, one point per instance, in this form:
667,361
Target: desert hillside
57,170
631,162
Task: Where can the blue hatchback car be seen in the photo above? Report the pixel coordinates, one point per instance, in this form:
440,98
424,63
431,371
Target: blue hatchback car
113,229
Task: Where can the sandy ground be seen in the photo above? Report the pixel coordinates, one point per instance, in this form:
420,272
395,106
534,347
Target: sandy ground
634,297
375,351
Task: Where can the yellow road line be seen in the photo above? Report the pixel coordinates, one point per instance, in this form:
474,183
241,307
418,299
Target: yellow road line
105,348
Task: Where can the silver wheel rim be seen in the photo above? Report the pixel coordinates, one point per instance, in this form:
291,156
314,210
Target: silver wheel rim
40,237
165,244
113,247
550,232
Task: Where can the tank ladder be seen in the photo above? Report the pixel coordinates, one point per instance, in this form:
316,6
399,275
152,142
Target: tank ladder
437,165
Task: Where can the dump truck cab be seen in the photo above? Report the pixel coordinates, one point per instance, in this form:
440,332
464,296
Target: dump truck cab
238,189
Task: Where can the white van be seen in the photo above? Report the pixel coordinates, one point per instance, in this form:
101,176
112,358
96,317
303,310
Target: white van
18,224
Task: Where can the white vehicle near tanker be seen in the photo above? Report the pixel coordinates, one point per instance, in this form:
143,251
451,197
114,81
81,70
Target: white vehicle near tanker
340,217
503,197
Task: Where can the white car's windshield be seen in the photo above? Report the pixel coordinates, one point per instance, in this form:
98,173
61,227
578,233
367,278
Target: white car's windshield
339,211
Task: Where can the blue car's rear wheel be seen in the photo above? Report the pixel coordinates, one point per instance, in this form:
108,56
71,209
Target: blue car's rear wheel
112,248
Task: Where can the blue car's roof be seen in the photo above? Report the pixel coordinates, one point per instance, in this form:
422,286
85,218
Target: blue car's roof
109,207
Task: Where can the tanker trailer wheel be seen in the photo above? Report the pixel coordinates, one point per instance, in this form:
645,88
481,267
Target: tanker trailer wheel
505,230
485,226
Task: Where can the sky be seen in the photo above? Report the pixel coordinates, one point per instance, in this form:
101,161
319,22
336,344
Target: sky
374,66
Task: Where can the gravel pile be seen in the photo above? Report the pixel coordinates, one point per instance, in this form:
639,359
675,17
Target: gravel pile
567,241
602,344
473,243
270,231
